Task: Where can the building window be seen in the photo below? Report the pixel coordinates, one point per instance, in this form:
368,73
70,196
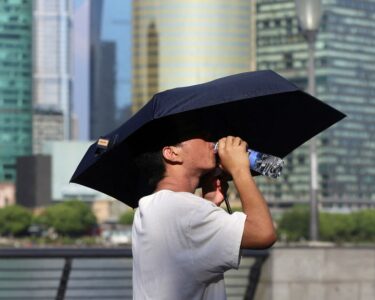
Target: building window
288,60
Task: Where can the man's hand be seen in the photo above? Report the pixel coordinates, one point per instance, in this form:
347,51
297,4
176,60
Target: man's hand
214,187
233,155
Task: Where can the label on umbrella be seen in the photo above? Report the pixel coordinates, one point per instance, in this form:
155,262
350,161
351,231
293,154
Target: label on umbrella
103,143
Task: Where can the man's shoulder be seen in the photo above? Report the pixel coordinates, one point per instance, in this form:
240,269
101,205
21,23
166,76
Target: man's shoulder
174,200
177,198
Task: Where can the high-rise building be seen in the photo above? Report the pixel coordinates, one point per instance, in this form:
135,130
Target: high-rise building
110,65
15,84
51,70
80,70
180,43
48,124
33,188
345,78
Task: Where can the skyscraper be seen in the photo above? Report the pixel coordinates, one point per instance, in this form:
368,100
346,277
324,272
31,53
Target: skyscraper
51,71
80,70
110,28
179,43
15,84
345,65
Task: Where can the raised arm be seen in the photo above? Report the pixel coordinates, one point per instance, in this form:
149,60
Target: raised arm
259,231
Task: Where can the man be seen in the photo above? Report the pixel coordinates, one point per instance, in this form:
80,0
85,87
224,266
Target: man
182,243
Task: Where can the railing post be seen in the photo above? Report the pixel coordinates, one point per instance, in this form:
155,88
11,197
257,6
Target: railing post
254,276
64,279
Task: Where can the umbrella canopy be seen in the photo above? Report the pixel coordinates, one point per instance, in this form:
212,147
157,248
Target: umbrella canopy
267,111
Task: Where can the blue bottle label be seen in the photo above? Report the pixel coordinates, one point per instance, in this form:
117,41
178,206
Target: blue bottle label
253,157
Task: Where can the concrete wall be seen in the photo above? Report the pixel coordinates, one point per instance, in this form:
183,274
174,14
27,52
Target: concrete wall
318,274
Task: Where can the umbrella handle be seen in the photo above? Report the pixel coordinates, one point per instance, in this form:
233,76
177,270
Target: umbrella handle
229,209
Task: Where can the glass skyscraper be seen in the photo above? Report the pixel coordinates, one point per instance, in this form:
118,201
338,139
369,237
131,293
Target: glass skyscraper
15,84
51,71
345,78
110,67
180,43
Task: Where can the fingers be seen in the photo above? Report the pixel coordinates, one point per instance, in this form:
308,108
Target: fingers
233,155
230,141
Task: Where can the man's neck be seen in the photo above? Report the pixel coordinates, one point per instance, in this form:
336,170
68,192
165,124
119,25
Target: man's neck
179,183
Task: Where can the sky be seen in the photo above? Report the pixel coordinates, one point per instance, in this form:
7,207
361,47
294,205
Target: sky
116,25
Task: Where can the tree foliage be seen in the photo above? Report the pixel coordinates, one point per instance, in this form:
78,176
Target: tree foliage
14,220
294,224
364,225
333,227
127,218
336,227
71,218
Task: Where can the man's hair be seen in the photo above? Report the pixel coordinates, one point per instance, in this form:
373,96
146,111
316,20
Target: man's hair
151,167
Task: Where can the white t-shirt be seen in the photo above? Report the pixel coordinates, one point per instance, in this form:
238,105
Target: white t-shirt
182,244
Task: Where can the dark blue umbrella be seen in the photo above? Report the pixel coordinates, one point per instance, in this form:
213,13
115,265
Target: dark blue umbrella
271,114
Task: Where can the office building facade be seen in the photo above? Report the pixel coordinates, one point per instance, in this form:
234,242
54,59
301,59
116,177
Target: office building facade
180,43
15,84
345,73
51,69
48,124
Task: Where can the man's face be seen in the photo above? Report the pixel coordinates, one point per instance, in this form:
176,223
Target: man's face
198,155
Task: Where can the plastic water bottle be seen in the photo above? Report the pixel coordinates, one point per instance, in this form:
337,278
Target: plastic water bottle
265,164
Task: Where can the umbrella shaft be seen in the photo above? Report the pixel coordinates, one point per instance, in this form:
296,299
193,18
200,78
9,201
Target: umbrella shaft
229,209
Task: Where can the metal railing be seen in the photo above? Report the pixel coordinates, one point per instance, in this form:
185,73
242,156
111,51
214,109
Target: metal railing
96,273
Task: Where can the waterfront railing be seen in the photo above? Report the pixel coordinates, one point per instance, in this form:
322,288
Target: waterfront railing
96,273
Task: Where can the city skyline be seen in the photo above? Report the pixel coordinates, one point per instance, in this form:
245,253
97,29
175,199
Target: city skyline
157,51
179,44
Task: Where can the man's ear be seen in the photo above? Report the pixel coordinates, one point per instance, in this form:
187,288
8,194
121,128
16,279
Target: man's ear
172,154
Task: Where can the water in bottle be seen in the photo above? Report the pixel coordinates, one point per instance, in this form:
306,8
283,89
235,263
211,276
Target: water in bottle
265,164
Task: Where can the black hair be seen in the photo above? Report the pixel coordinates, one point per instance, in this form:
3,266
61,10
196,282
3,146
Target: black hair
148,142
151,167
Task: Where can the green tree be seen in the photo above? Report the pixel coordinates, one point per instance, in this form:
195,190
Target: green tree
294,224
72,218
14,220
336,227
364,225
127,218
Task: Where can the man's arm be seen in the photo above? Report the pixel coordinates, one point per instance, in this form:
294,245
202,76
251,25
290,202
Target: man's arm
259,231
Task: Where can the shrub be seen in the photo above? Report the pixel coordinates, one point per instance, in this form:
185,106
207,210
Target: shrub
364,225
71,218
335,227
14,220
294,224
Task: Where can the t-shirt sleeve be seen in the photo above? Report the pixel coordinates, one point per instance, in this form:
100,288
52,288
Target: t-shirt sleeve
215,239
